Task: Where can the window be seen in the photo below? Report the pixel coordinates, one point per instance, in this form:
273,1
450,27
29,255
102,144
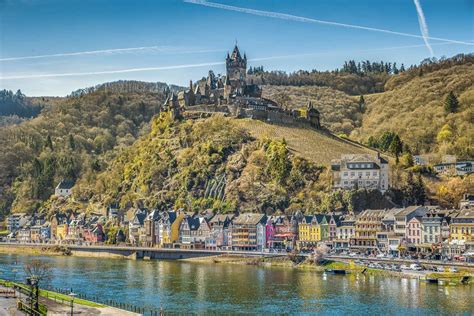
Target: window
374,173
346,173
367,174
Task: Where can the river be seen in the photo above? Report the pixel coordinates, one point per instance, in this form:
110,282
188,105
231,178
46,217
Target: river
204,288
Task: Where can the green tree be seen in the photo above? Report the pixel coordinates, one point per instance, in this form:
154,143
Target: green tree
451,103
361,104
396,147
419,191
72,143
385,140
409,189
49,142
407,160
372,142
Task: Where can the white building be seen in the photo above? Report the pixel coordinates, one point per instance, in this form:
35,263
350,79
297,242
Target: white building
64,188
16,221
361,171
420,160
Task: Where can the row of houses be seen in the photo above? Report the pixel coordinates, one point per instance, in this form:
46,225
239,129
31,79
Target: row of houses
420,229
414,229
61,228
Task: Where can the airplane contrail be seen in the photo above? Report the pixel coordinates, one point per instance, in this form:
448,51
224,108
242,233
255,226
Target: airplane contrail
423,26
185,66
290,17
119,71
113,51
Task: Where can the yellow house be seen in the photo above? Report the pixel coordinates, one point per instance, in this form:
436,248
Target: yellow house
309,231
61,231
175,227
462,226
168,232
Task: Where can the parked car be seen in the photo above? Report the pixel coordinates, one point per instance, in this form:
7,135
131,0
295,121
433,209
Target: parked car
395,267
415,267
453,270
440,269
381,255
404,267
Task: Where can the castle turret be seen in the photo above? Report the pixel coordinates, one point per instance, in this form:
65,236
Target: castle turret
236,70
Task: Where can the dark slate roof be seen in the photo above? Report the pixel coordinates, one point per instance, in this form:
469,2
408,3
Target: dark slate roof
236,54
65,184
140,216
154,215
193,223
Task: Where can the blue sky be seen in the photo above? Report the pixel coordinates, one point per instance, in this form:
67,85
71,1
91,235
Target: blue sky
188,39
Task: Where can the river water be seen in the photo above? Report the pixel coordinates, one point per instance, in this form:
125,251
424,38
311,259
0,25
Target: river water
204,288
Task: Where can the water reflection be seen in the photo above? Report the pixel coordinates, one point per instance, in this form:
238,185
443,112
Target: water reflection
224,288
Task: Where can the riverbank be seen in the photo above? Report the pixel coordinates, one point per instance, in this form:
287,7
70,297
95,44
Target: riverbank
350,268
40,250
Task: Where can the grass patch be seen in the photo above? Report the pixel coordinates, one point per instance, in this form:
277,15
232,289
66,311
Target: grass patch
67,298
446,275
53,295
311,144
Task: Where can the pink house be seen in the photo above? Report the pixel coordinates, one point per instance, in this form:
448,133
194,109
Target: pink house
413,230
270,230
94,234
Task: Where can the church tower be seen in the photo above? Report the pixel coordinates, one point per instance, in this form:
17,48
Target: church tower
236,67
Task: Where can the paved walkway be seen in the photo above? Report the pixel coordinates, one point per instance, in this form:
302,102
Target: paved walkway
55,308
8,307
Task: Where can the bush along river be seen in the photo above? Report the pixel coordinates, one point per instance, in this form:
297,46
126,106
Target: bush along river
208,288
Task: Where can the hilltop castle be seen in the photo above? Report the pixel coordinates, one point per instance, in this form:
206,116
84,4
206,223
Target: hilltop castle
235,94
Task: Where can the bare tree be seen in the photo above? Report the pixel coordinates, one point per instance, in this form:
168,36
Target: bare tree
38,269
320,253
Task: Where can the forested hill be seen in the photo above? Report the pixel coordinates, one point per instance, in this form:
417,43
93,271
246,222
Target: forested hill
411,103
128,86
72,138
216,163
430,107
17,104
102,138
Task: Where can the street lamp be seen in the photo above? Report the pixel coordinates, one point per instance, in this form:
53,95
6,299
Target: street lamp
72,295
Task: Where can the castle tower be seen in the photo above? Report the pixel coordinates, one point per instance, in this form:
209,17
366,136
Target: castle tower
191,96
236,70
